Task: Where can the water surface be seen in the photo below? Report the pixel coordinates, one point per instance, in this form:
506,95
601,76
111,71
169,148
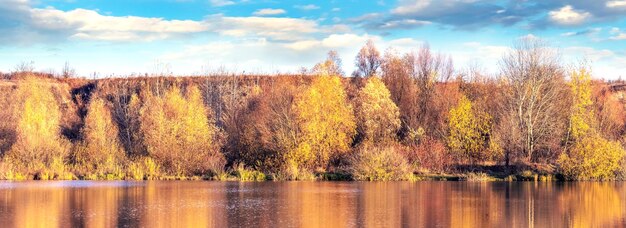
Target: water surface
311,204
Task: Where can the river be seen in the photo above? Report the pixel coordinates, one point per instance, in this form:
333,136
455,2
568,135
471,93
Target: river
311,204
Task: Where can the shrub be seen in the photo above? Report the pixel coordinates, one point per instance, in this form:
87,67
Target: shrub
592,157
479,177
143,169
178,134
100,152
38,141
379,164
430,155
248,175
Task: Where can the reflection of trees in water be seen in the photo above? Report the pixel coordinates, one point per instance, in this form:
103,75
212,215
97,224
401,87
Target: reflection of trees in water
38,207
476,205
592,204
317,204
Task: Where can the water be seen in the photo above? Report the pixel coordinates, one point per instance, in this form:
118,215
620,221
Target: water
311,204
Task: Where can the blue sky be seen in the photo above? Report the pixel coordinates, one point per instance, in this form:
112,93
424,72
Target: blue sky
120,37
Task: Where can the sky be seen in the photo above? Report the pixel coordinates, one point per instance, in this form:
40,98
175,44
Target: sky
119,37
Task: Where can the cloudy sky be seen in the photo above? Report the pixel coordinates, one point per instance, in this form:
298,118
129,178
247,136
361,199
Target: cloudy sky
190,36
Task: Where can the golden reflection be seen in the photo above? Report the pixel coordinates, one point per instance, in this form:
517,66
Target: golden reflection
323,204
40,207
592,204
312,204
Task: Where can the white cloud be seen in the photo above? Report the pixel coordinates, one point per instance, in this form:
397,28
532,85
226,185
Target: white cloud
529,36
271,27
307,7
303,45
285,57
567,15
89,24
405,23
614,30
269,11
619,36
409,7
219,3
605,63
616,4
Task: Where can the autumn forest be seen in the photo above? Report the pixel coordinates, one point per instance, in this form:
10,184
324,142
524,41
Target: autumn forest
399,116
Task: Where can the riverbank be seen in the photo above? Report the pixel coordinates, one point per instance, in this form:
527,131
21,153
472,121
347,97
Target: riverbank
532,172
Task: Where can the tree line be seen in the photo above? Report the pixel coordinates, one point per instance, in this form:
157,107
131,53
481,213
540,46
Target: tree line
400,116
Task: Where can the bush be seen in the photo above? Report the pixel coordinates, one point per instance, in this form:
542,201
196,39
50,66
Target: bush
143,169
592,157
100,152
430,155
248,175
372,163
38,143
479,177
178,134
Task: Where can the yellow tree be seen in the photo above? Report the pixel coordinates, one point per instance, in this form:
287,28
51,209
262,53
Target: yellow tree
590,156
101,150
326,122
39,142
378,117
581,118
468,130
178,133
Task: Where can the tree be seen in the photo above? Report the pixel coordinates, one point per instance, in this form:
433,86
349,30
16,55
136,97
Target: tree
396,75
591,155
368,60
378,117
535,96
428,69
325,120
468,131
101,150
67,71
178,133
39,142
331,66
582,115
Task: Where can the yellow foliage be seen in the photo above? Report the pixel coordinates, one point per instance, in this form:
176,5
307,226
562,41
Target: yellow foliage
592,157
100,151
326,122
373,163
38,141
378,117
143,169
177,132
582,113
468,130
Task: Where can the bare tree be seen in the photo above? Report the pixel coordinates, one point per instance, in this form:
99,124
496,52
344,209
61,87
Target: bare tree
428,69
25,67
368,60
68,71
534,81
